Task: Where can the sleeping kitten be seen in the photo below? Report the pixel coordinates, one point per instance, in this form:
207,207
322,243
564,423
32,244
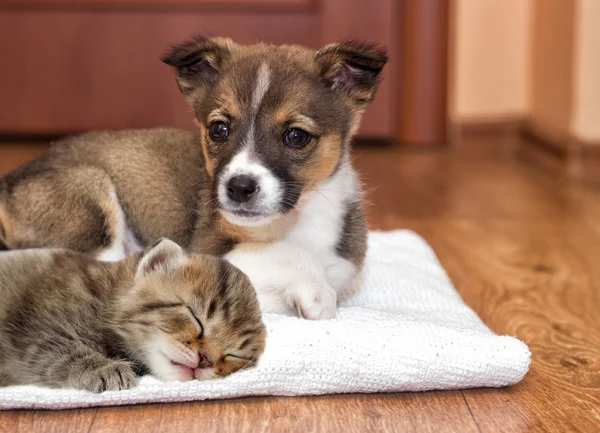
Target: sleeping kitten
69,321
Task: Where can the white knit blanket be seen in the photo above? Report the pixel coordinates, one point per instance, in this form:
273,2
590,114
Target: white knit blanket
406,330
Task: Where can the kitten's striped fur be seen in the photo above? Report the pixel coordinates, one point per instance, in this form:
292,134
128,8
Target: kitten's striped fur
67,320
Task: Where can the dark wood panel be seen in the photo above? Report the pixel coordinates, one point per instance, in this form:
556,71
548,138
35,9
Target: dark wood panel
253,5
84,70
81,70
423,89
370,21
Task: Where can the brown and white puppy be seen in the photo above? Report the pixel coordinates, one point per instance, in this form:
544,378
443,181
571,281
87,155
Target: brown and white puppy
267,179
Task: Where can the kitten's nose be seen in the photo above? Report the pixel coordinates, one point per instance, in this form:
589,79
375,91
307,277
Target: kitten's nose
204,362
241,188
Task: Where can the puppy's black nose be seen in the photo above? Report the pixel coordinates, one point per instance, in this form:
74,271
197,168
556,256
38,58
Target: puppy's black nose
241,188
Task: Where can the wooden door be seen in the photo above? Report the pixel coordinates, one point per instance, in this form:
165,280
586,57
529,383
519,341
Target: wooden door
74,65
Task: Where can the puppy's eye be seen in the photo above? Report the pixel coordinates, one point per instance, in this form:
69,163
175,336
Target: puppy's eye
218,130
296,138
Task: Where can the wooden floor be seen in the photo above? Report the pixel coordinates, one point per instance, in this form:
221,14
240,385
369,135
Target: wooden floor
523,249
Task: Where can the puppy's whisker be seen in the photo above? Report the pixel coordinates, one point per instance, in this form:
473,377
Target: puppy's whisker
326,198
210,202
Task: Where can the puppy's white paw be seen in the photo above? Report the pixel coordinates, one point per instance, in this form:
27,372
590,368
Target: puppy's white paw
313,300
287,279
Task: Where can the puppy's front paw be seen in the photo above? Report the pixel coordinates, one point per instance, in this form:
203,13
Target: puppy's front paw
114,376
313,300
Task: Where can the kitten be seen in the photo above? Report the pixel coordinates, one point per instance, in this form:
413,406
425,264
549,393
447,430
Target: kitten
69,321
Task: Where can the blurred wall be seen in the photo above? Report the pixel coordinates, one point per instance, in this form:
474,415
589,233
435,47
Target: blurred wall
585,122
490,41
528,59
550,74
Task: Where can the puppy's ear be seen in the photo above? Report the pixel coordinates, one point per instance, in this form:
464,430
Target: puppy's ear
352,68
197,62
163,257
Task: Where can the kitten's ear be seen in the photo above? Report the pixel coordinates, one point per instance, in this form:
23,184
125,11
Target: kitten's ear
198,62
164,256
352,68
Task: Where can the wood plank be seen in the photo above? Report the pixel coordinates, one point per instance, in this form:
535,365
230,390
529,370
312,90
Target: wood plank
427,412
72,421
534,285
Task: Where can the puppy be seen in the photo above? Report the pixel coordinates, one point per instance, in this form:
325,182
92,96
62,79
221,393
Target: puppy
266,179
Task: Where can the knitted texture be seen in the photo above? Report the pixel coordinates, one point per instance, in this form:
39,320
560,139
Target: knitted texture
406,330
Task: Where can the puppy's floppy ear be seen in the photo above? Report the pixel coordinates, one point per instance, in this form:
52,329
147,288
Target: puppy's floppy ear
163,257
352,68
198,61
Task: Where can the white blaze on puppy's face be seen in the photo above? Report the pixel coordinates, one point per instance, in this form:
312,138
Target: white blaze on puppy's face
263,82
261,205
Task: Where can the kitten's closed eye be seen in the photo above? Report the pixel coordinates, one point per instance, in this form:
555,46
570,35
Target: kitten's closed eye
236,357
201,333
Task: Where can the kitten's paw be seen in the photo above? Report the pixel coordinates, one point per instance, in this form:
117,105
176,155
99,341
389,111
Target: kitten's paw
115,376
313,300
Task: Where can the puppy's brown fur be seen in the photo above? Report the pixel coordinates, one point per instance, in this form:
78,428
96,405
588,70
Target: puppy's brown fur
162,182
63,198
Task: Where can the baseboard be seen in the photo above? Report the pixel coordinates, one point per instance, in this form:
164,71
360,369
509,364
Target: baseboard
543,149
560,153
586,159
488,135
476,128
